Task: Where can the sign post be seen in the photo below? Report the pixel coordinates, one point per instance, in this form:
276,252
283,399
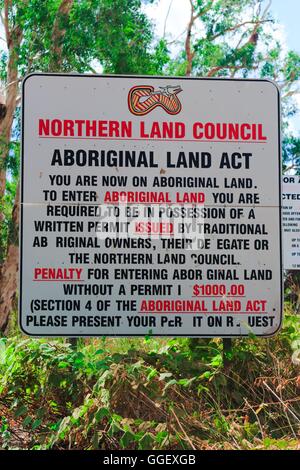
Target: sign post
150,205
291,221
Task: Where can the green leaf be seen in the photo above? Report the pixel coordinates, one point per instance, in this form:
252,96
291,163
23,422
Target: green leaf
146,442
27,421
63,365
36,423
21,411
127,438
171,382
102,413
95,440
206,375
114,428
152,373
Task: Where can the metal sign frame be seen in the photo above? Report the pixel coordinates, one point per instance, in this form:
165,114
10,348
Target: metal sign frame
23,173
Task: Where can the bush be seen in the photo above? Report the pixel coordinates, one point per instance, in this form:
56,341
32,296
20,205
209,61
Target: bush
150,394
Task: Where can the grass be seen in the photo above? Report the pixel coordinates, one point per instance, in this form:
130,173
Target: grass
151,393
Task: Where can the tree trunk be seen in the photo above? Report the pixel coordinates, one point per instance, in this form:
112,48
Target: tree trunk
10,268
9,271
56,62
8,108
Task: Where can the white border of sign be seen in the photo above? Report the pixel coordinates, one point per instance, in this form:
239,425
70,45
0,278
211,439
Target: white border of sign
159,78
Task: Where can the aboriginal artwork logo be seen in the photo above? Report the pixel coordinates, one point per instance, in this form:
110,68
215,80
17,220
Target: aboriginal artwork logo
142,99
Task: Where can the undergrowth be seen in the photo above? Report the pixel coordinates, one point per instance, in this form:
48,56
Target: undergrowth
151,394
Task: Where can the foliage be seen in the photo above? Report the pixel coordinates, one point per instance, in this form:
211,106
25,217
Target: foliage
131,43
291,154
237,39
150,394
7,204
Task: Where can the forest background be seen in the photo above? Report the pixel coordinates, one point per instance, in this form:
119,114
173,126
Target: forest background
142,393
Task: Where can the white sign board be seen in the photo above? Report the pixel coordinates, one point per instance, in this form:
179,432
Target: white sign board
150,205
291,221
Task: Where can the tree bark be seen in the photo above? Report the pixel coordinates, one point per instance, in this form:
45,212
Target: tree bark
188,47
8,107
9,271
58,33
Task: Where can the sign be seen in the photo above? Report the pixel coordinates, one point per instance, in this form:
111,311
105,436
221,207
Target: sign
291,221
150,205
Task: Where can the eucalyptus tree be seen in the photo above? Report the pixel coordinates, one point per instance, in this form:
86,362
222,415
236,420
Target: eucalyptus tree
237,38
56,36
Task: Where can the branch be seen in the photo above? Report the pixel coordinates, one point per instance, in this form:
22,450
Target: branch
177,38
214,70
188,46
257,23
58,33
238,26
18,80
202,12
253,38
91,69
285,405
7,4
234,68
288,81
290,93
182,429
291,167
166,18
